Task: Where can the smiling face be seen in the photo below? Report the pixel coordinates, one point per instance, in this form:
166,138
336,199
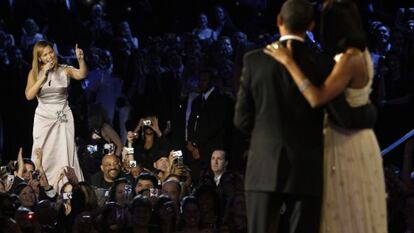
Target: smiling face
27,197
110,167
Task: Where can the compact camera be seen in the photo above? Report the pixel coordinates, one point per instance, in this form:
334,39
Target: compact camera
92,148
147,122
153,192
129,150
108,148
36,175
178,156
177,153
67,196
10,179
128,189
5,170
132,163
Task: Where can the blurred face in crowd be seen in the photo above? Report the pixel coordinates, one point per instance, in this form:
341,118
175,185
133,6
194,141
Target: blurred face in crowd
171,189
135,171
191,215
27,171
27,197
141,215
218,162
219,12
110,167
162,164
383,33
204,82
143,184
97,11
120,193
203,20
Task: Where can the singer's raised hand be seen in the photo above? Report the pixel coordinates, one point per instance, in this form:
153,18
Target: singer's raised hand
79,52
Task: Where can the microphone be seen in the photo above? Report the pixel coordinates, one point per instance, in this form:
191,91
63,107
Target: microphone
47,74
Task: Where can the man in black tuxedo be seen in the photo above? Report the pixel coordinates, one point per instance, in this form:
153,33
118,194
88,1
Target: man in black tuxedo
283,178
207,124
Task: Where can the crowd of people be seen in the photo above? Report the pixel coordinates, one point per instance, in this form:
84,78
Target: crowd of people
151,145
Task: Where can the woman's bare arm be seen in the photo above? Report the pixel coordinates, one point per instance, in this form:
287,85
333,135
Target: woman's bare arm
82,72
335,83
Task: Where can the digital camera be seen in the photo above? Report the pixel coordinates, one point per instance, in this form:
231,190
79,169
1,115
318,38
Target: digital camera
108,148
147,122
36,175
178,156
132,163
92,148
177,153
127,189
10,179
153,192
129,150
67,196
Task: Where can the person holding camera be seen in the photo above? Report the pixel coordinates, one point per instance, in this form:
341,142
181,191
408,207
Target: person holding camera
103,135
147,141
110,171
33,174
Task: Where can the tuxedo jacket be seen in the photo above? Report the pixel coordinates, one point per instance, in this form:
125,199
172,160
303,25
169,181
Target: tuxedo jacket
207,123
286,139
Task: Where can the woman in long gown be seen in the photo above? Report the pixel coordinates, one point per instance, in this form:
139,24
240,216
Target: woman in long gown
354,198
53,126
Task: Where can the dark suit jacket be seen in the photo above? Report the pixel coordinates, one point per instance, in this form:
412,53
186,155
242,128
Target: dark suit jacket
286,146
285,152
207,123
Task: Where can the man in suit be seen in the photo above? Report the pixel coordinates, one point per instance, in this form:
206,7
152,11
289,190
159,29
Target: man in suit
207,124
283,180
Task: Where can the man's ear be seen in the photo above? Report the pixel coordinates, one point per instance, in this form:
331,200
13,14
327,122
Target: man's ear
311,26
279,20
102,168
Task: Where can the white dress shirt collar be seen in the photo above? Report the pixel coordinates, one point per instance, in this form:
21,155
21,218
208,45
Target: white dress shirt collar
291,37
207,94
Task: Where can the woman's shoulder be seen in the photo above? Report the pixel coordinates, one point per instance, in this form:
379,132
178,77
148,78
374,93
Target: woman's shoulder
350,55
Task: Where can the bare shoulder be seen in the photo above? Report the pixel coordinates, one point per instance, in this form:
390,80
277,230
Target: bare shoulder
353,55
67,69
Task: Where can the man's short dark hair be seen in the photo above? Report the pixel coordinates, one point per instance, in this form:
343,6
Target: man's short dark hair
148,176
297,15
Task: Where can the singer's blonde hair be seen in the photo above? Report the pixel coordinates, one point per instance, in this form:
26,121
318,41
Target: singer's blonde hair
37,52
